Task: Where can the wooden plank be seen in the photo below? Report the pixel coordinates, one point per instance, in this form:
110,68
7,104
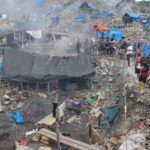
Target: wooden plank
44,148
67,141
48,120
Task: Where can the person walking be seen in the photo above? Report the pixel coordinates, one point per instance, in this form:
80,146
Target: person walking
129,53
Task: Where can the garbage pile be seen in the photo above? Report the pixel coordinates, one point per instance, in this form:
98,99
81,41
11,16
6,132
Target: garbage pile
13,99
107,72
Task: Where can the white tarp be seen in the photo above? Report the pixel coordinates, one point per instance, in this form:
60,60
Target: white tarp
37,34
134,141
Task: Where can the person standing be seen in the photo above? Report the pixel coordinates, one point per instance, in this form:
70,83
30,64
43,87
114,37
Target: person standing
55,101
129,53
138,64
144,73
78,46
86,45
123,48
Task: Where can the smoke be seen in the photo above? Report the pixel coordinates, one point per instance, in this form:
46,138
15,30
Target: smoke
27,15
24,12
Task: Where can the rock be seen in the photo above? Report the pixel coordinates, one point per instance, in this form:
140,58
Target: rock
110,80
6,102
13,99
2,108
6,97
8,91
20,92
20,105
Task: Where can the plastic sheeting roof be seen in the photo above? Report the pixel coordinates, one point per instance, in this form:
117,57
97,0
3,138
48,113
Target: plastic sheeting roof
25,66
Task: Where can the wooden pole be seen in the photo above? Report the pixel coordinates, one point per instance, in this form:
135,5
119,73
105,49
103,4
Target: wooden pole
58,135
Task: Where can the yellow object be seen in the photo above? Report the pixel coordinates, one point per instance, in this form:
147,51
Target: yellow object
45,140
141,85
42,95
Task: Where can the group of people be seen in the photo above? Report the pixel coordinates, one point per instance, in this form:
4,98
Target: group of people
141,65
106,46
87,45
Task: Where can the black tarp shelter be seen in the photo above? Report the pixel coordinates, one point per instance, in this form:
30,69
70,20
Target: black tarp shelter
25,66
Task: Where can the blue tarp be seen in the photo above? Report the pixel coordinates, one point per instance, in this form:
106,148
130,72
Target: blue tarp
74,25
19,119
39,2
1,67
117,33
55,22
80,18
103,14
110,114
146,50
135,17
147,24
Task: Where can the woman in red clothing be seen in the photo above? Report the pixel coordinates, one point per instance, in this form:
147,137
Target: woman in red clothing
138,64
144,73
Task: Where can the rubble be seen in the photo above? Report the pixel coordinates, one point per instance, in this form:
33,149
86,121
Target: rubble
111,113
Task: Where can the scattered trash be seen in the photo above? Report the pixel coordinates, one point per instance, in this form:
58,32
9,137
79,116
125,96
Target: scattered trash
19,119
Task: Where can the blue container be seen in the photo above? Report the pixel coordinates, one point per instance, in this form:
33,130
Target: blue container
1,67
39,2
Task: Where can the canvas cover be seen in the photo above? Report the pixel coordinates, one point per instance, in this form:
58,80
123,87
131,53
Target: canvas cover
117,33
146,50
26,66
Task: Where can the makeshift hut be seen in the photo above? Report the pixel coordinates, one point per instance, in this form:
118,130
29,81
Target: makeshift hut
16,38
80,18
103,14
86,7
115,33
130,17
25,65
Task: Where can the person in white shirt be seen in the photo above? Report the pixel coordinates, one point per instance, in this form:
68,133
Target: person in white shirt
129,53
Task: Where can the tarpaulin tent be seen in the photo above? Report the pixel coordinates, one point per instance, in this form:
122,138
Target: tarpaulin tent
1,67
116,33
80,18
55,22
40,2
100,28
134,16
25,66
103,14
127,19
147,24
74,25
85,5
146,50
